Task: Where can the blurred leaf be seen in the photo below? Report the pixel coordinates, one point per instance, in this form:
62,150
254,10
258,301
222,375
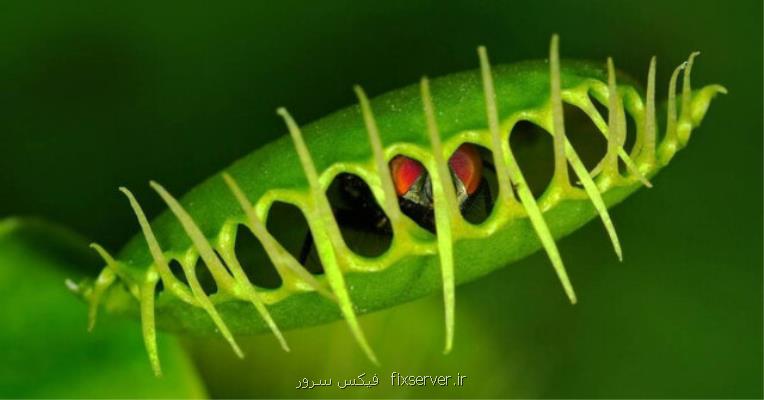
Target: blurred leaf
46,350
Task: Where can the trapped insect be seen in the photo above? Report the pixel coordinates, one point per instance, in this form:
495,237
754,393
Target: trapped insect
413,186
415,163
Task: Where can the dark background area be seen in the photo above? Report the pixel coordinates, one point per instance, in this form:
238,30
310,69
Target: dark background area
97,95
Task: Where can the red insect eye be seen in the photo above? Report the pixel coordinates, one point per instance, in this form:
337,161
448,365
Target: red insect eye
468,166
405,172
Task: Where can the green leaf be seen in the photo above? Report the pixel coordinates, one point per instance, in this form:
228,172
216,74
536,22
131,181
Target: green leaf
46,349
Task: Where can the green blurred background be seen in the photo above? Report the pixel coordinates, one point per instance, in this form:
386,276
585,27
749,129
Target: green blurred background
94,95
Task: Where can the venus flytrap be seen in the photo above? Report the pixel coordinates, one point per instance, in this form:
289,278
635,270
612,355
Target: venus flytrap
425,122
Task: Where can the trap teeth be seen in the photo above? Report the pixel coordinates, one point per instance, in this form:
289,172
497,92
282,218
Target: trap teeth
221,261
